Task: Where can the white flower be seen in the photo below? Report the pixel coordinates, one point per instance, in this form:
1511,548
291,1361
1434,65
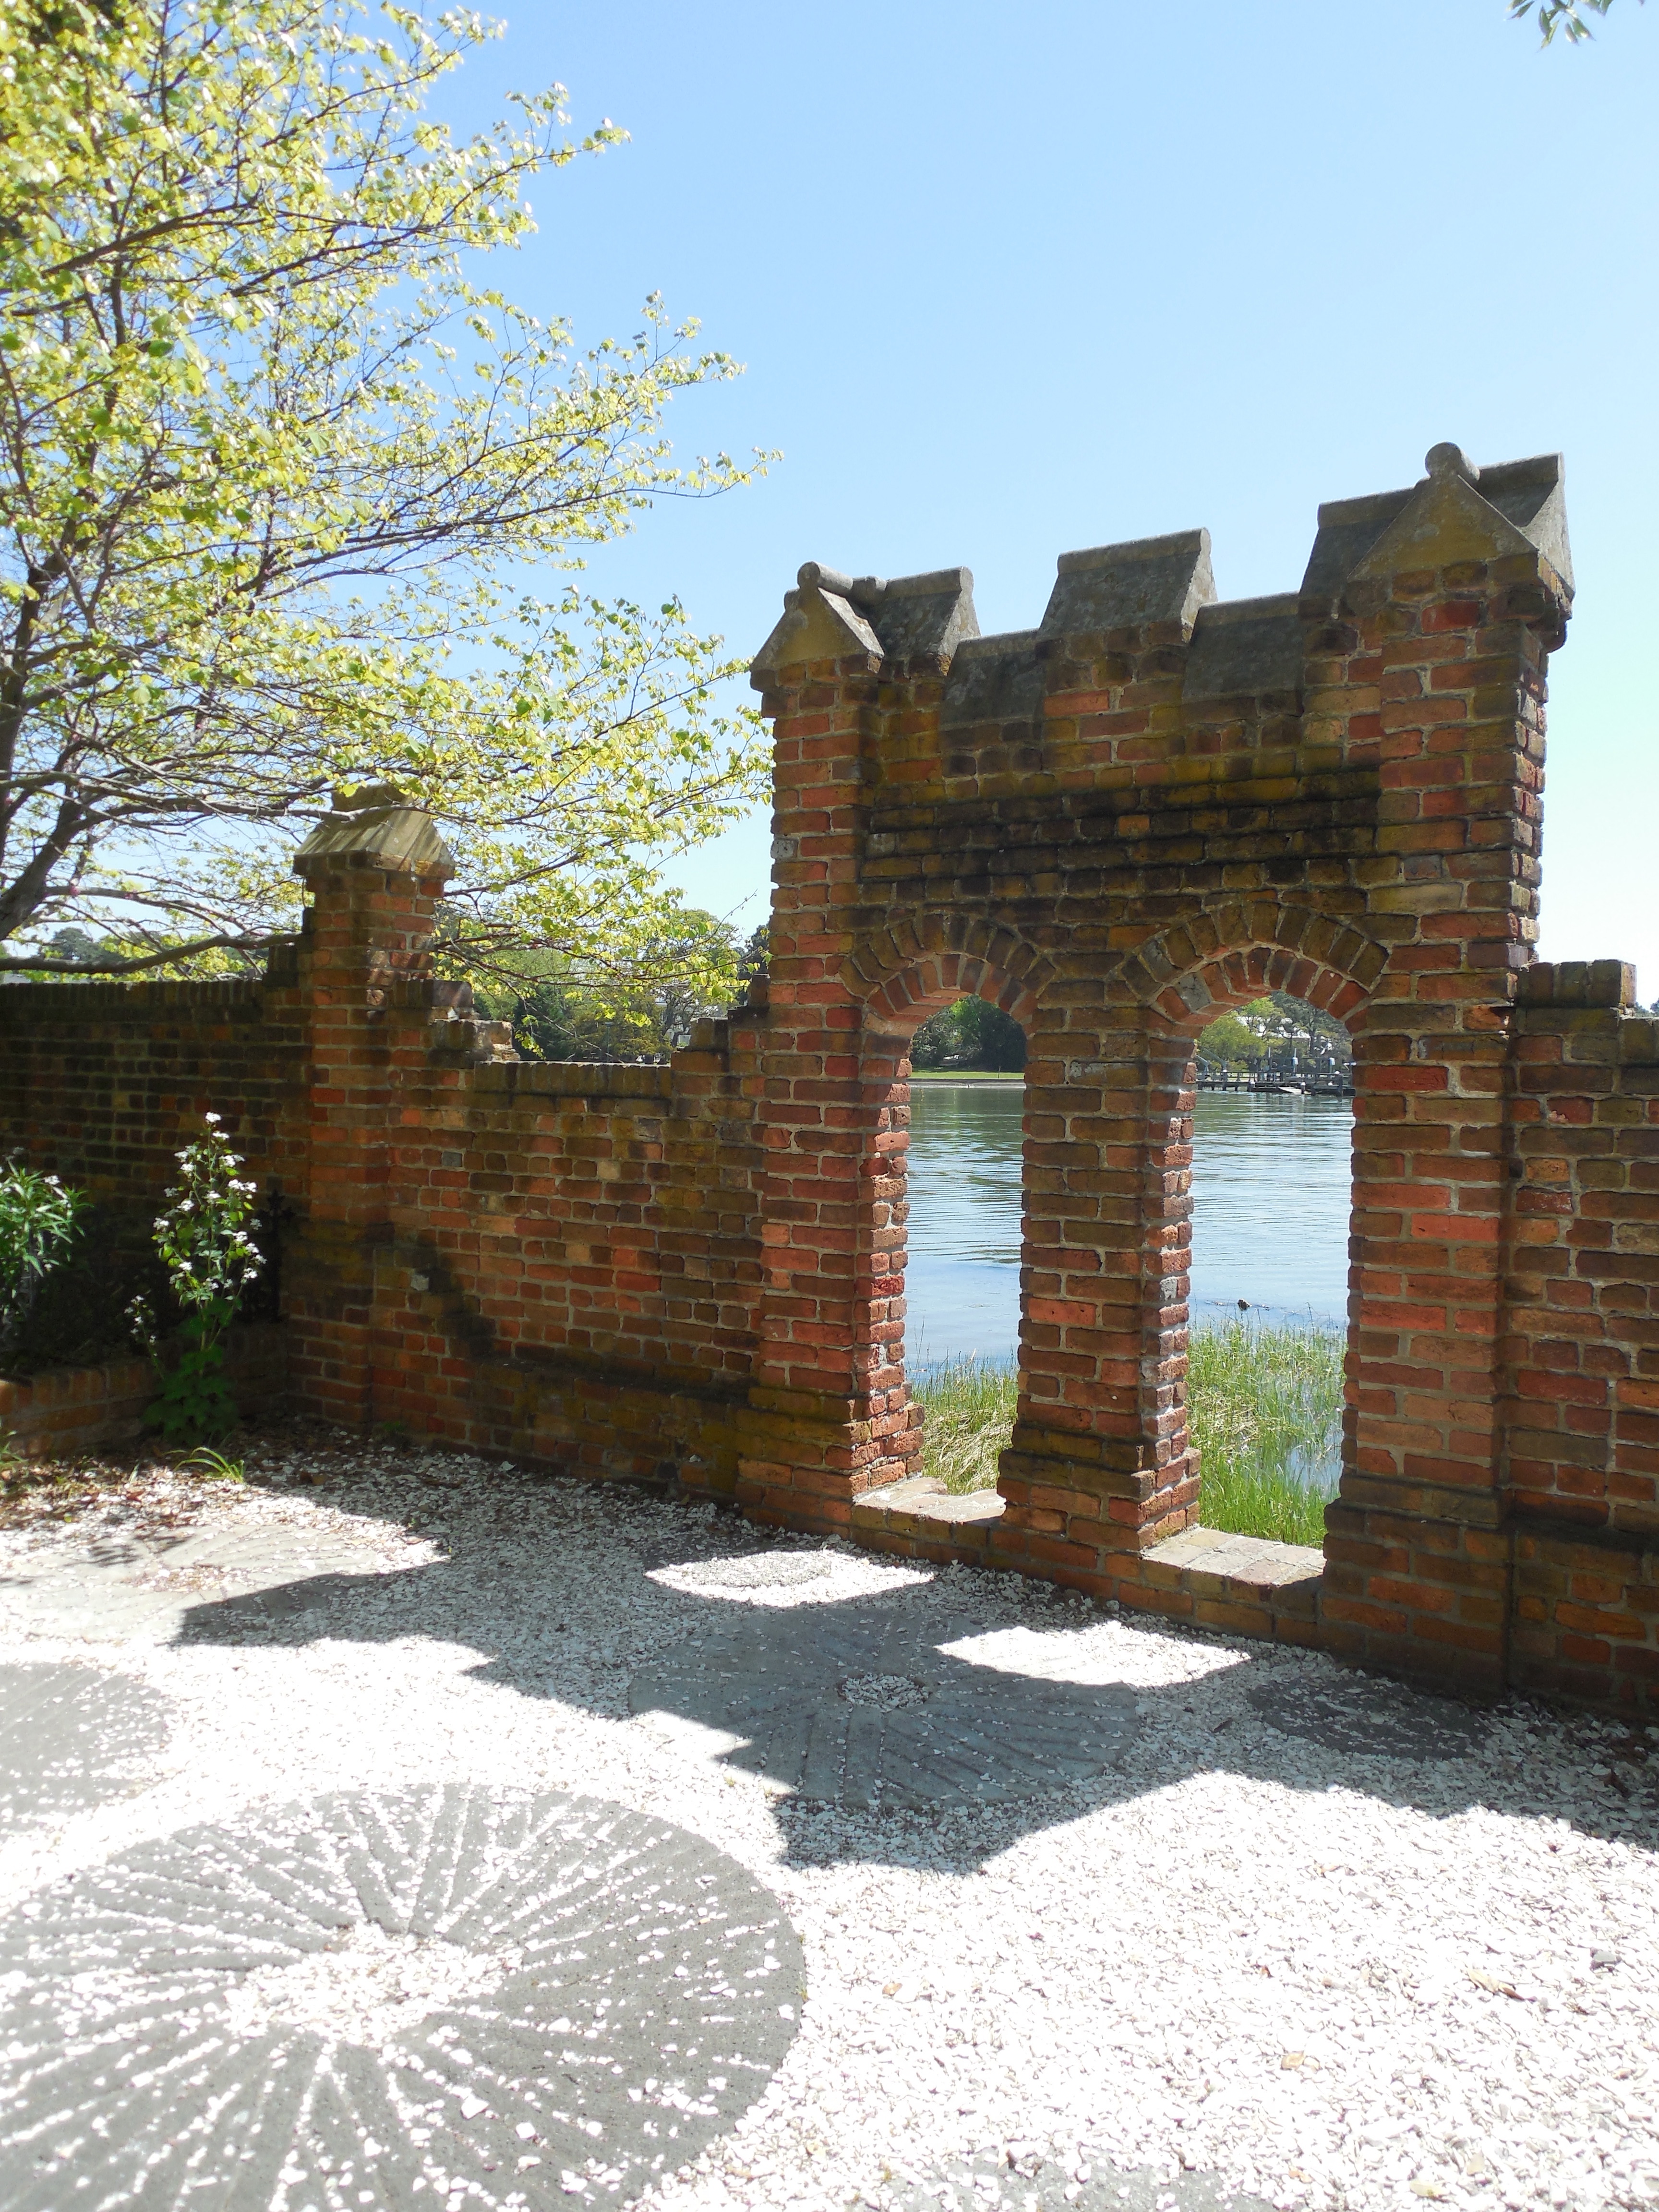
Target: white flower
212,1119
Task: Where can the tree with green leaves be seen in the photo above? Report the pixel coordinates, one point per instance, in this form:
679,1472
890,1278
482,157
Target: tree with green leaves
1565,15
278,469
971,1034
554,1017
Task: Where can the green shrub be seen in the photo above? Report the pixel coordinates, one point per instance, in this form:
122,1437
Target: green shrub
38,1218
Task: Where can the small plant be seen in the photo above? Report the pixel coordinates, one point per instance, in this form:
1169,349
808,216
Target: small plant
205,1243
213,1466
38,1218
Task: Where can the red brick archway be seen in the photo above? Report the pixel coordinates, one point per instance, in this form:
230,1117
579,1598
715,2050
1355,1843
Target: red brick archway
928,959
1107,1183
1181,987
1198,970
1169,806
904,997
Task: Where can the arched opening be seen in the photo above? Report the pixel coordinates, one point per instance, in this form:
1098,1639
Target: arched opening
1258,1132
964,1231
969,1017
1100,1453
1272,1196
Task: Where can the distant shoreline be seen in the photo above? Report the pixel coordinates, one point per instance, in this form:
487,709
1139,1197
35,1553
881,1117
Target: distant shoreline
968,1075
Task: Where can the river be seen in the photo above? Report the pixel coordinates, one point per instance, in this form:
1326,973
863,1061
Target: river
1271,1192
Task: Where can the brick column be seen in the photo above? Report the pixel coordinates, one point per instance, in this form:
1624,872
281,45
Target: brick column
1099,1463
375,869
1100,1467
1456,611
829,1415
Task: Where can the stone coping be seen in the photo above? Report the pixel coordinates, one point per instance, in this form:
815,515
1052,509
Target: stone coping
66,1410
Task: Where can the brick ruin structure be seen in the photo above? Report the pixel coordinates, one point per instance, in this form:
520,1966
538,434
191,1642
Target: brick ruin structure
1150,808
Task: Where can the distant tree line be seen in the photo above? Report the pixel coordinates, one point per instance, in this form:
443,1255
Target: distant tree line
972,1034
557,1016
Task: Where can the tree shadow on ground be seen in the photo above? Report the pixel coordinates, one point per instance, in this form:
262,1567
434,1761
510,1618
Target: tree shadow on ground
934,1708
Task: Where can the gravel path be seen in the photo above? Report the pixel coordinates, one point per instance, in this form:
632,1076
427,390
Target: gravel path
1267,1933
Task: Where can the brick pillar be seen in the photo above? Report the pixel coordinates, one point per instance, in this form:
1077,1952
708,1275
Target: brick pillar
829,1415
1456,611
375,870
1099,1463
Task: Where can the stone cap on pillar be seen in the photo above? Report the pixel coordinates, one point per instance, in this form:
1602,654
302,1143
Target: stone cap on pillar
375,826
1457,512
907,620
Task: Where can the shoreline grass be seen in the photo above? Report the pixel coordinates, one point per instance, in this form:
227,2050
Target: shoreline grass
1265,1405
970,1404
1266,1410
967,1075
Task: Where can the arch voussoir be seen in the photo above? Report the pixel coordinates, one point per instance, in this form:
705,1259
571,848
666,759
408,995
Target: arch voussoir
922,961
1192,971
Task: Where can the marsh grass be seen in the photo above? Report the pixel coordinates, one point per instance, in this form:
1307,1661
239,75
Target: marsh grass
971,1417
1266,1409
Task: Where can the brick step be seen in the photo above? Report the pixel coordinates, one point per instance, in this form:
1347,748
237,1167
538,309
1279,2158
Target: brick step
1246,1583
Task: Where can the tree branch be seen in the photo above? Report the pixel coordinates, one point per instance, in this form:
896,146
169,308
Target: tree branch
22,963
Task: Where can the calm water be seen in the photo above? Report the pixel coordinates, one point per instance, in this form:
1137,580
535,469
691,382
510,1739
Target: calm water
1271,1183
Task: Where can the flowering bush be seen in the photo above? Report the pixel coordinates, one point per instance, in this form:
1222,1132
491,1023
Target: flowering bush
37,1216
205,1241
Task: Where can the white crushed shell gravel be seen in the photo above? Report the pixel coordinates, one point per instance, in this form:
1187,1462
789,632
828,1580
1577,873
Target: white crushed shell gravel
1248,1951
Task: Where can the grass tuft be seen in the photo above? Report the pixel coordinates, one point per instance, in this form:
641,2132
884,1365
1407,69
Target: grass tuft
1266,1407
971,1417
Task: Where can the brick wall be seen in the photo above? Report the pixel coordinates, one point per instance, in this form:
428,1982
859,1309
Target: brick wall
1150,808
104,1083
85,1409
556,1261
1580,1353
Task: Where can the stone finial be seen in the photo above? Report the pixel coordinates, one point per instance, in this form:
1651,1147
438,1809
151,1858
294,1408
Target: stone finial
819,623
1458,513
1448,460
376,824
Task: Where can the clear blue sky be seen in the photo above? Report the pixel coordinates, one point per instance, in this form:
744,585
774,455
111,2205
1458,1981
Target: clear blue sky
1011,280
